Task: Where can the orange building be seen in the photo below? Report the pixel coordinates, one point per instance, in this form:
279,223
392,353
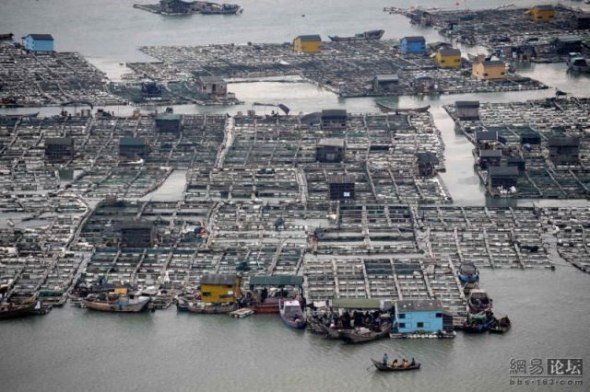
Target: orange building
489,70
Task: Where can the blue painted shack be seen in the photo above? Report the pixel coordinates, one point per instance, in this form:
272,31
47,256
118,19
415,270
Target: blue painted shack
38,43
421,316
413,45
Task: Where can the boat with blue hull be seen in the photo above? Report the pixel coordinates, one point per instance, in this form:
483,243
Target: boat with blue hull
468,273
291,314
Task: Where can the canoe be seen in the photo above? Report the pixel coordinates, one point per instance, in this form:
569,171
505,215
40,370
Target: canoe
388,368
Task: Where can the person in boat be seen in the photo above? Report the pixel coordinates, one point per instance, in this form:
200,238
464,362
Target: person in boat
394,364
413,363
405,363
385,359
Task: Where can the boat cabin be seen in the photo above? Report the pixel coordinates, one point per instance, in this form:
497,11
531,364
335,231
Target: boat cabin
386,83
542,13
421,316
448,58
489,70
307,43
220,288
212,86
413,45
488,158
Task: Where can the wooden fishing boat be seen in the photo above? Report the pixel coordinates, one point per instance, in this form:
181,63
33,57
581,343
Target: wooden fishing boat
479,301
9,310
332,333
387,109
201,307
468,273
118,304
364,335
577,63
291,314
268,306
388,368
501,325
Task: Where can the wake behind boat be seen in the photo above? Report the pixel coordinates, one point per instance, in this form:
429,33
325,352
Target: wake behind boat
364,36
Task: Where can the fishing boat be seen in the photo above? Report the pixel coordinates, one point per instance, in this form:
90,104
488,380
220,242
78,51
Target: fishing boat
577,63
364,335
468,273
331,333
501,325
367,35
220,9
389,368
201,307
116,303
479,301
479,323
387,108
291,314
9,310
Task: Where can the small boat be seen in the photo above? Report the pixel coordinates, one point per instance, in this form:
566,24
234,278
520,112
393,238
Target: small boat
367,36
468,273
364,335
501,325
577,63
388,368
221,9
479,301
291,314
10,310
332,333
116,303
386,109
479,323
201,307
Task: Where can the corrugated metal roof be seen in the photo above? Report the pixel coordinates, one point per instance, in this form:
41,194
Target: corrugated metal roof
276,280
419,305
356,303
311,37
40,37
219,279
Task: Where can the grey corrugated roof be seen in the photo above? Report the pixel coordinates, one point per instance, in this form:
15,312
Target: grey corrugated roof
427,157
276,280
332,142
490,153
356,303
310,37
467,104
340,179
219,279
414,38
419,305
558,141
503,171
131,224
63,141
40,37
449,52
131,141
330,113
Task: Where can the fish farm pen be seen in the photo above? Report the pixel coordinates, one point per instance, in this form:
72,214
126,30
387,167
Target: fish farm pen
543,146
55,78
543,34
347,68
343,200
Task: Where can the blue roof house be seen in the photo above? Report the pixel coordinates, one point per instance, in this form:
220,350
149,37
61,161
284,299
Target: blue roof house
421,316
38,43
413,45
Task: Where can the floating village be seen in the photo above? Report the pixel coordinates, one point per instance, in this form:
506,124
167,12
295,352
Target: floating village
338,222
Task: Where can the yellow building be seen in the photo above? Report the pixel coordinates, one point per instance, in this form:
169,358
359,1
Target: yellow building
217,288
542,13
307,44
489,70
448,58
